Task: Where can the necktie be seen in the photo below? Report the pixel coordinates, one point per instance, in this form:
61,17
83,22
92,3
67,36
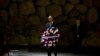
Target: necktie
50,25
78,25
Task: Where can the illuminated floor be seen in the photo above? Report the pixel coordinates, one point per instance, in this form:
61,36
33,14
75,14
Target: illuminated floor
26,53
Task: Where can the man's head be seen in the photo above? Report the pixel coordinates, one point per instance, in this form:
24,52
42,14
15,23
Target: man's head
77,21
50,18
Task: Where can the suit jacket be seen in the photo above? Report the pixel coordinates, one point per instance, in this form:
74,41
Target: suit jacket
78,30
49,25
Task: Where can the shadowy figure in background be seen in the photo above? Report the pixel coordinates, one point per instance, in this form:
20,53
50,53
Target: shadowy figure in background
50,37
78,32
3,47
1,35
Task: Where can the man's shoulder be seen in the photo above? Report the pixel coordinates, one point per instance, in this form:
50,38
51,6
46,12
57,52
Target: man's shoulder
47,24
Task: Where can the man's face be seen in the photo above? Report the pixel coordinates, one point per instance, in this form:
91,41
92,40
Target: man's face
77,21
50,19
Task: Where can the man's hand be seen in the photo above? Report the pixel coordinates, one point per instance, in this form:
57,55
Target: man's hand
57,40
77,36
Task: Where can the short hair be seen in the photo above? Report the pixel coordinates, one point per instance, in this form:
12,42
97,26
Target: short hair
50,17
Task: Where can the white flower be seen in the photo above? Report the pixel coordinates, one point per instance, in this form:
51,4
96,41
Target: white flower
51,31
56,31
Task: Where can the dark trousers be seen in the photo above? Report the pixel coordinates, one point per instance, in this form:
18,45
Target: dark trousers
4,50
52,49
77,42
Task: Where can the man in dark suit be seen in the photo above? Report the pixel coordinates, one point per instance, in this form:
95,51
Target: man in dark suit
1,35
3,47
78,32
50,36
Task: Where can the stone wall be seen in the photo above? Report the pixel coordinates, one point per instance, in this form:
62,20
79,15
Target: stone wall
22,21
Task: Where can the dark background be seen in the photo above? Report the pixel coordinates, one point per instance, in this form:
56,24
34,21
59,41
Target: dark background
22,21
